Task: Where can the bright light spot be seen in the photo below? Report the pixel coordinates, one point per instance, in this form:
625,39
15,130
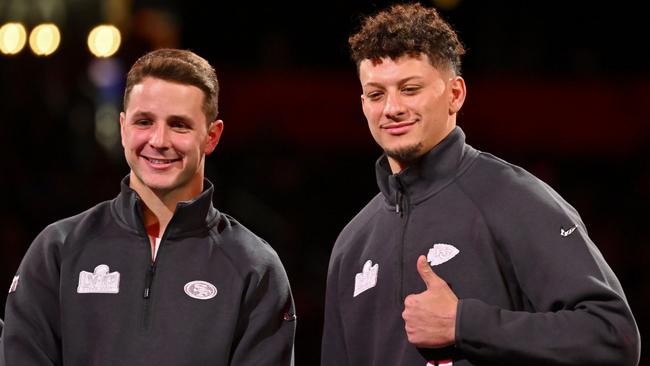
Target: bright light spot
104,40
44,39
12,38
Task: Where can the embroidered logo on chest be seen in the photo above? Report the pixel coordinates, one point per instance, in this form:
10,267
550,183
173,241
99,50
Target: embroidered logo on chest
441,253
200,290
101,281
366,279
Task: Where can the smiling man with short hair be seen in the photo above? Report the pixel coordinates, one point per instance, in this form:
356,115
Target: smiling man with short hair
156,276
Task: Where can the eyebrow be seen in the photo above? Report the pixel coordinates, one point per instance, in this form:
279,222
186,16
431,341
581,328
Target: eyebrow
140,114
151,115
399,82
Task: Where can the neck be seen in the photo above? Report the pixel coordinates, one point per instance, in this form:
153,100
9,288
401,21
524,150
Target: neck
160,205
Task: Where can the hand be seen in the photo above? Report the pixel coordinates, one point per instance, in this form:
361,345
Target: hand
430,316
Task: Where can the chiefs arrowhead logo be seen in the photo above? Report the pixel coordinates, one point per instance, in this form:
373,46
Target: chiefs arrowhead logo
441,253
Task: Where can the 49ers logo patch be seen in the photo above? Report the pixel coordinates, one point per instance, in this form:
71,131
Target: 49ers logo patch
200,290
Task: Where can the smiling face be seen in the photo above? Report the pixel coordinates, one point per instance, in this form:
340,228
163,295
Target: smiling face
166,137
410,105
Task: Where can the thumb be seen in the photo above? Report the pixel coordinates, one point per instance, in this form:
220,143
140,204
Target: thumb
426,273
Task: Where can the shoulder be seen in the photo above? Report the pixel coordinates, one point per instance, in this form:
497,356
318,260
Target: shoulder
514,202
496,183
247,252
59,230
53,239
359,227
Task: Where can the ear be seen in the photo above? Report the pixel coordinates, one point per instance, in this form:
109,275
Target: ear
214,134
122,119
457,95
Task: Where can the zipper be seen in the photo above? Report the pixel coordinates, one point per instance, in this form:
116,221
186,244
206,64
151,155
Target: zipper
147,294
401,208
398,202
151,273
147,282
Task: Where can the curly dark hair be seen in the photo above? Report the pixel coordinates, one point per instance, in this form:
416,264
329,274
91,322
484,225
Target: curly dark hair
179,66
407,30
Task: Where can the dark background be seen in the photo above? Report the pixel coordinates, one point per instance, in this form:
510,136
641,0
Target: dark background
561,90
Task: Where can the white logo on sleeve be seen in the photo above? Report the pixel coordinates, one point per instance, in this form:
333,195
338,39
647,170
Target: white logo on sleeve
14,284
200,290
568,232
101,281
367,279
441,253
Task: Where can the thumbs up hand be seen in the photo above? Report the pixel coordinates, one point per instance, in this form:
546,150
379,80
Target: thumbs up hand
430,316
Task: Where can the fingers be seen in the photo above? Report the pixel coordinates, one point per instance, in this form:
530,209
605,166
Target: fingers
427,275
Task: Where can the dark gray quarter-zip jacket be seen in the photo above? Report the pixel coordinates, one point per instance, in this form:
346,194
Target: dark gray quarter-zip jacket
216,294
533,288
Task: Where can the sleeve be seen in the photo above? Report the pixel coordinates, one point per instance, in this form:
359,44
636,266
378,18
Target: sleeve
333,350
577,313
267,324
31,334
2,349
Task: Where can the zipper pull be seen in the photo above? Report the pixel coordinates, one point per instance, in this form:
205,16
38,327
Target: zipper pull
148,280
396,202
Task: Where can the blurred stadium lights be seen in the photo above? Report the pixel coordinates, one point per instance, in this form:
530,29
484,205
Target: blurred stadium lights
12,38
44,39
104,40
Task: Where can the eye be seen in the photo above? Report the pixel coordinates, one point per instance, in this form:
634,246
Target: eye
179,125
411,89
142,122
374,95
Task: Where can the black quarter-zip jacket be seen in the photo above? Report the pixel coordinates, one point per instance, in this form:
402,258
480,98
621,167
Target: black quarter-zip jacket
216,295
533,288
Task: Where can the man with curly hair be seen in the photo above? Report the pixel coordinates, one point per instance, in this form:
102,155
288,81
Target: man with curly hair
462,258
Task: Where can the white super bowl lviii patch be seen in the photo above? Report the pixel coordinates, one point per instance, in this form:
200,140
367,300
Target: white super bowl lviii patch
441,253
101,281
200,290
367,278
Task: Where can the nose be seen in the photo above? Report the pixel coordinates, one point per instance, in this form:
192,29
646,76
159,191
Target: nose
159,138
394,108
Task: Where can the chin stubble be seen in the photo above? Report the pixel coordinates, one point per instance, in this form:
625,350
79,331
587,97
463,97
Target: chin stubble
405,154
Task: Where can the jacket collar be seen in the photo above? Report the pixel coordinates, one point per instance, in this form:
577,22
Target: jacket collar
429,173
191,216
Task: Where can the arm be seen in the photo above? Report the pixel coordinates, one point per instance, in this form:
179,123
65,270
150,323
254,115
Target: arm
267,323
31,334
333,350
575,313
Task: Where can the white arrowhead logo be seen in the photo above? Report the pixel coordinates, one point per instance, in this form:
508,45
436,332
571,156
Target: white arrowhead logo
441,253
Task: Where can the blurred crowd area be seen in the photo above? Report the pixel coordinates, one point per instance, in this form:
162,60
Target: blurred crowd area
560,90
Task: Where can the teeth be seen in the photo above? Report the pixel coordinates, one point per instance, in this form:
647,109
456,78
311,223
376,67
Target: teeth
158,161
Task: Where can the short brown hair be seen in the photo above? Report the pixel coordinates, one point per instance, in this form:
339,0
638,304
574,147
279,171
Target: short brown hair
407,30
180,66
